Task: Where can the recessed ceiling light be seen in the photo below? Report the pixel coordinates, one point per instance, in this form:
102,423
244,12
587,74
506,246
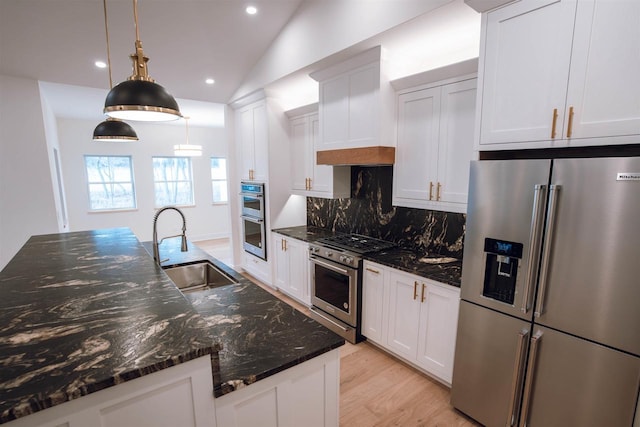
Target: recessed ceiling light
251,10
101,64
209,81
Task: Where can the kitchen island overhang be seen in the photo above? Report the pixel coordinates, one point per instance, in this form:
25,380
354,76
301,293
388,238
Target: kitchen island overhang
84,311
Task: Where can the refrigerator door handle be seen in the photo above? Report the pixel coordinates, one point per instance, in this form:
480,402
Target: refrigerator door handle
518,372
526,400
535,236
546,252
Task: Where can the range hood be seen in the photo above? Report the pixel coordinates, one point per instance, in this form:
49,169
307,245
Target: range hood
365,156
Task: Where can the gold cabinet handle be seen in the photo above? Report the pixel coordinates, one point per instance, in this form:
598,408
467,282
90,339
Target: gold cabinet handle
570,127
438,191
430,190
309,183
554,123
285,245
282,244
372,270
415,290
422,297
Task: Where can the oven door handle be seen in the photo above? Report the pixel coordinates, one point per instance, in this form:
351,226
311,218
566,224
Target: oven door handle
251,195
254,220
329,266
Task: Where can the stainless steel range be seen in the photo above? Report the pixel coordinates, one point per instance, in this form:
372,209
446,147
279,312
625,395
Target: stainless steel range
336,281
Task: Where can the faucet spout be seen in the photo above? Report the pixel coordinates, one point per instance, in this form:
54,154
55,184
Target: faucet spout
156,244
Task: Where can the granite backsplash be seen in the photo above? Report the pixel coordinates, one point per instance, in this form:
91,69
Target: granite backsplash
369,212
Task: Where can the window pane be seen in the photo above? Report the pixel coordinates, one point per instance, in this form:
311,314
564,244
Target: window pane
172,181
219,191
110,182
218,168
219,179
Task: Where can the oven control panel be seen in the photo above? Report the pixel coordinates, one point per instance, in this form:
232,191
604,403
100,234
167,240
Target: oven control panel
335,255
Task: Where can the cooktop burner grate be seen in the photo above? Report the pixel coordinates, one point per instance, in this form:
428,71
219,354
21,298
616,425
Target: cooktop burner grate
357,243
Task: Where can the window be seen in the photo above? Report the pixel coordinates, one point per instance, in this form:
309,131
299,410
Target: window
110,181
172,181
219,179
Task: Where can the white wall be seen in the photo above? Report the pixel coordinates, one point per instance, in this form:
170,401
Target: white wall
27,205
320,29
204,220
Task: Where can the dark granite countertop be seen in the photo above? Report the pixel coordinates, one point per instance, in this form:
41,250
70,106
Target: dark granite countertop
435,267
431,266
260,334
305,233
84,311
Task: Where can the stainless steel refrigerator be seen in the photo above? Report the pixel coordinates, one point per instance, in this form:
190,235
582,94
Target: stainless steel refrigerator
549,323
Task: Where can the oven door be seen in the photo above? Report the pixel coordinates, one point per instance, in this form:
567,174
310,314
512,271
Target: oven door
252,205
334,289
253,236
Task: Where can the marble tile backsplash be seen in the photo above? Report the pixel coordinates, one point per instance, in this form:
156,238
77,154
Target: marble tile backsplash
369,212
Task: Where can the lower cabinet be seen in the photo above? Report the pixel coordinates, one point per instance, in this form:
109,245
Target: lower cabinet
291,267
257,267
305,395
412,317
178,396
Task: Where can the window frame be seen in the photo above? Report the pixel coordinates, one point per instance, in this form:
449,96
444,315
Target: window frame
89,183
190,181
225,180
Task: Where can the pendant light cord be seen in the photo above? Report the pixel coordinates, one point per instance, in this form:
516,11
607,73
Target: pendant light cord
186,121
135,19
106,30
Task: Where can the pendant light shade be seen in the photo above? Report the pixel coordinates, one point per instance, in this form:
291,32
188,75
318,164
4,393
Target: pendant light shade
187,150
114,130
140,98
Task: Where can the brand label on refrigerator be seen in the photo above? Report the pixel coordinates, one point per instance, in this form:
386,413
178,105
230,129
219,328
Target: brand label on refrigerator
628,176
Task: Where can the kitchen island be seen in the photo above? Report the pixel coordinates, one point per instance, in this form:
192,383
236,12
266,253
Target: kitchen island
86,311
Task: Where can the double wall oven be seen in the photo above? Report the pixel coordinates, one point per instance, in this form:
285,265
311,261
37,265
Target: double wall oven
336,281
253,218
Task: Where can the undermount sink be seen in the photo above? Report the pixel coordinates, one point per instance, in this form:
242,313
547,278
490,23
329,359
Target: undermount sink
197,277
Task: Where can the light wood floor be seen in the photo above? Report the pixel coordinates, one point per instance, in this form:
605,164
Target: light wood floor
375,388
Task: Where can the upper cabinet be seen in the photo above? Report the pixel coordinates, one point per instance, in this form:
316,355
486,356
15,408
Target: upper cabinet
253,141
356,103
557,73
435,142
307,177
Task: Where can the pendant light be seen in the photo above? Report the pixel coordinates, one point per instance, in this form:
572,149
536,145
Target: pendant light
139,97
187,150
112,130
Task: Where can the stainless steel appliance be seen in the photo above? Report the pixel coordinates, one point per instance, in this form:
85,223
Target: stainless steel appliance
253,218
336,281
549,324
252,199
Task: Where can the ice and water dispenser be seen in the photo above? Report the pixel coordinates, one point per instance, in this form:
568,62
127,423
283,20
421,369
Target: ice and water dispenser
501,269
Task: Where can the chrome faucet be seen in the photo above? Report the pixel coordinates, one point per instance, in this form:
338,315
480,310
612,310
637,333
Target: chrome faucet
156,244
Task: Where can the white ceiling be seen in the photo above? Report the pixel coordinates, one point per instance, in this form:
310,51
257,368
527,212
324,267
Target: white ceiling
58,41
187,41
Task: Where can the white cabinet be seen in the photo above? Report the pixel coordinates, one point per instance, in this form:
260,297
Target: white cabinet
373,321
557,73
305,395
435,146
412,317
307,177
292,267
178,396
356,103
254,148
404,314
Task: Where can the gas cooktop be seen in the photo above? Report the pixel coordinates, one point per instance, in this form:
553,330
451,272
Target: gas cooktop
356,243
